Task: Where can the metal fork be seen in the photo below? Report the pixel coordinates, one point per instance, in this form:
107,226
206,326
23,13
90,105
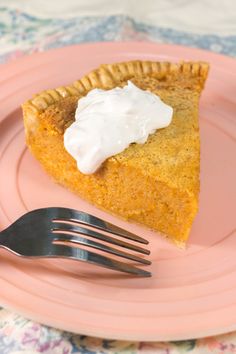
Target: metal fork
57,232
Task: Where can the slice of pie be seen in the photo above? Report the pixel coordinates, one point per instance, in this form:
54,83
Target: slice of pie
155,184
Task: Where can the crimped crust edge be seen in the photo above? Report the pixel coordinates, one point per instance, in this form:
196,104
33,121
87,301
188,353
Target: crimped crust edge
110,75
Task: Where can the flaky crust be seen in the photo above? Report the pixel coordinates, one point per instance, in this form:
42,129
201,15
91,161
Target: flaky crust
110,75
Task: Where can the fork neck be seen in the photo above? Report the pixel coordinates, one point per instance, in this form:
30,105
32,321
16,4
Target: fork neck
4,237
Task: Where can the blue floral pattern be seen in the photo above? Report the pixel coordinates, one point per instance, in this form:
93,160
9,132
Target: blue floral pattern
21,33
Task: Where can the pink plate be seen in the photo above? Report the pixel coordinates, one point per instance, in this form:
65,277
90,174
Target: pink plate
192,293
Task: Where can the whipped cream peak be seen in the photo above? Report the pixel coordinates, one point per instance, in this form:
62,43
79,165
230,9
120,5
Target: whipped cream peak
108,121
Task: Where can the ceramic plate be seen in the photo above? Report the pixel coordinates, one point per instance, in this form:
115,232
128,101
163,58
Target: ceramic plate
192,293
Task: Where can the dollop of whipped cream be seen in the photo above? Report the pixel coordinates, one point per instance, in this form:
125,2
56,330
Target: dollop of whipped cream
108,121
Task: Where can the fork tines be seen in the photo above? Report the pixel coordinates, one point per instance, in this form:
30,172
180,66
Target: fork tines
67,229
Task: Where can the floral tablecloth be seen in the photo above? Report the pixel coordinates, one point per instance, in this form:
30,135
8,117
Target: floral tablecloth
27,27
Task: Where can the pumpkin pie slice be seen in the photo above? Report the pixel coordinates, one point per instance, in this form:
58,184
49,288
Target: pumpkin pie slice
155,184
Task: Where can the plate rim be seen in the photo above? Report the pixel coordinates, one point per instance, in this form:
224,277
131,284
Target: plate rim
45,53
